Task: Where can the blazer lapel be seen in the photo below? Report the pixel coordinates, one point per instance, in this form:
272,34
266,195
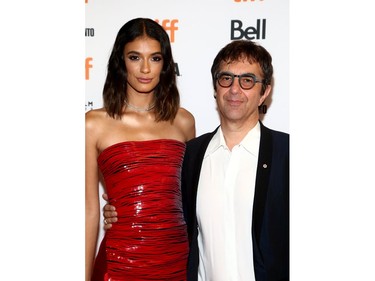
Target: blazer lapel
198,161
262,179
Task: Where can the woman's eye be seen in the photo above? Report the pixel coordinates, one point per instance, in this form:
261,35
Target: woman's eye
158,58
133,57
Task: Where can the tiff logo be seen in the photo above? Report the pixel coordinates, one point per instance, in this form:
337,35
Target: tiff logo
169,25
88,65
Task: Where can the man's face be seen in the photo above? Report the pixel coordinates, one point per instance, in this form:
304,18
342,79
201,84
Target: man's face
236,104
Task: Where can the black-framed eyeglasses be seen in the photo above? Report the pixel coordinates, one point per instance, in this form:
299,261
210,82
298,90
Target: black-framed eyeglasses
247,80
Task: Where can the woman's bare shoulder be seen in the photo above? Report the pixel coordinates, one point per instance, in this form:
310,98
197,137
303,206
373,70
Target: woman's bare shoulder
185,114
94,117
186,121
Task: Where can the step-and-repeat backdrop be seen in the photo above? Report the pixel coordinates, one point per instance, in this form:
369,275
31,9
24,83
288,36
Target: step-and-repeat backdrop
197,29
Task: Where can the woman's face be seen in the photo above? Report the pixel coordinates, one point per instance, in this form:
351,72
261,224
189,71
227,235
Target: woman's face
144,63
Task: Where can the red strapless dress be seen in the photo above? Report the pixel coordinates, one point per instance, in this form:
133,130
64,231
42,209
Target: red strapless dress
149,240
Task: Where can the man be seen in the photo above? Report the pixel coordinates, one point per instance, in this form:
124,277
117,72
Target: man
235,180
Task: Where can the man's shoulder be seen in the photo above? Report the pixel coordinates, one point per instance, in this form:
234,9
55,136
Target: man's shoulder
274,132
279,139
280,134
202,138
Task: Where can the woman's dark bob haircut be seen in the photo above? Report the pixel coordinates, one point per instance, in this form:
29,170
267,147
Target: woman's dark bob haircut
167,98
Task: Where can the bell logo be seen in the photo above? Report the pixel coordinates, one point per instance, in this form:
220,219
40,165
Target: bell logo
169,25
250,33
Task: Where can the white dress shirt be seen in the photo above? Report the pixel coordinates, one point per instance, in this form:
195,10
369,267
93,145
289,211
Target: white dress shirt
224,209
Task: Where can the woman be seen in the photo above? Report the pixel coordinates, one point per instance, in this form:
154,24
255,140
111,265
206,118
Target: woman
137,141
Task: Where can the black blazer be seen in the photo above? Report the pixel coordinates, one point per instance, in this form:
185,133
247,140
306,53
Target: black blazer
270,223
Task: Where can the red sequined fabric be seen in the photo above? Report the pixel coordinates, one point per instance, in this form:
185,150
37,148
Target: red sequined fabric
149,240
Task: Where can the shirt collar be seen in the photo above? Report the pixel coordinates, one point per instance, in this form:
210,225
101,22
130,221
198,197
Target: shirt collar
250,141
